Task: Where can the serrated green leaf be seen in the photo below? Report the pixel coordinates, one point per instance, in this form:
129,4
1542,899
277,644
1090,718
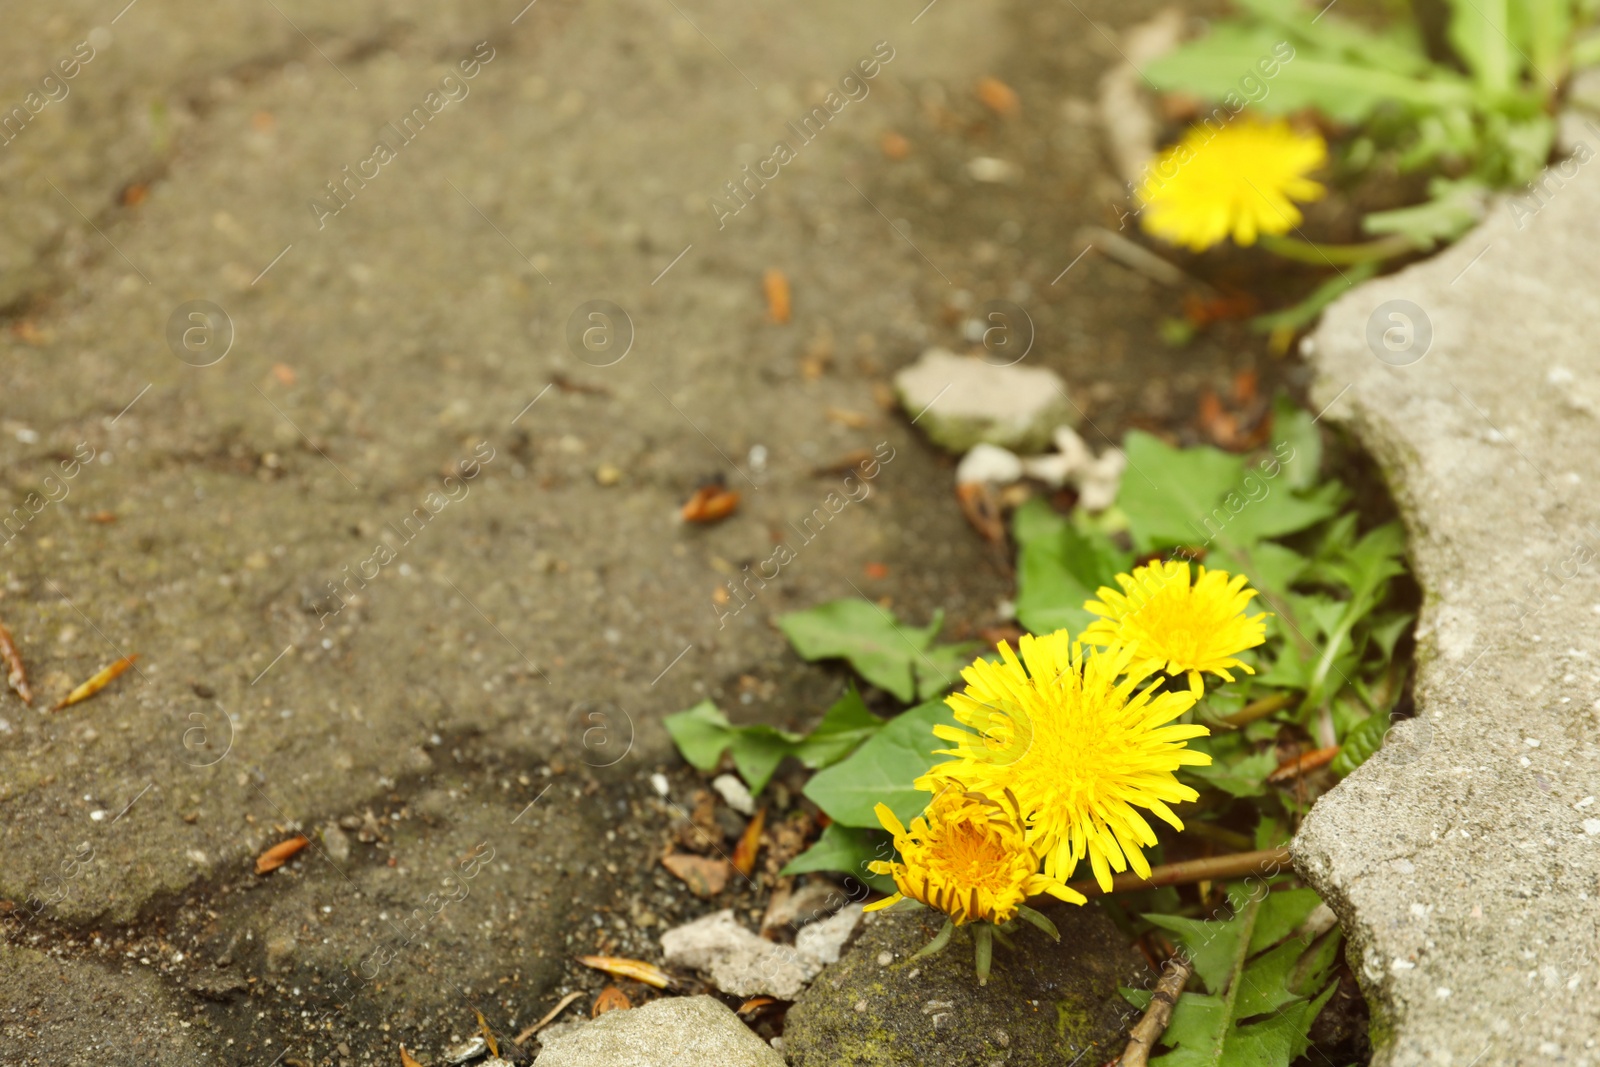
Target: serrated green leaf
757,751
1281,914
1277,512
846,724
847,850
864,634
1265,984
1247,974
882,769
1296,442
899,659
1059,567
1361,743
1270,833
939,668
702,733
1273,569
1236,768
1211,945
1199,1029
1541,29
1398,49
1385,630
1454,208
1170,494
1316,965
1343,87
1479,32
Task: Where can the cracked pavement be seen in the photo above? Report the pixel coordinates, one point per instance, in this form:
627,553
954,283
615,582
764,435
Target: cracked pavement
245,348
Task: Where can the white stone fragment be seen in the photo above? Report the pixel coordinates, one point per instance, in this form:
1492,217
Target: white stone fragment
989,464
736,960
959,401
822,942
992,170
735,792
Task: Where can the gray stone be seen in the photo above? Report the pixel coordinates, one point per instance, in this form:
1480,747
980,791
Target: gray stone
961,401
1457,858
336,843
822,942
793,908
470,1049
670,1032
735,792
990,464
736,960
1045,1003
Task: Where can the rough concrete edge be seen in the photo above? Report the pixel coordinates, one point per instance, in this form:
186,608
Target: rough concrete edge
1311,858
1311,855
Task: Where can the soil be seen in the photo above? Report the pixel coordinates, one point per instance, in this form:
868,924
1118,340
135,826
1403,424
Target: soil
425,725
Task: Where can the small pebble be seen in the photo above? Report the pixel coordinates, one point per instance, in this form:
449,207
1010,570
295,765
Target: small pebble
885,958
471,1048
735,793
608,474
988,463
990,169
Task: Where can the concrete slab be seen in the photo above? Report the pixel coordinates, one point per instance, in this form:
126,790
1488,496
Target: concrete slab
404,373
1464,859
233,474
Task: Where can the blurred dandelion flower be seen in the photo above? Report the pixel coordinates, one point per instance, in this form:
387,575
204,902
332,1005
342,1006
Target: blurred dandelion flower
1239,181
1177,627
1081,751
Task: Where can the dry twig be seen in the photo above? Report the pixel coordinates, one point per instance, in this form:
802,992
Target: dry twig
548,1017
1143,1037
1214,868
1304,763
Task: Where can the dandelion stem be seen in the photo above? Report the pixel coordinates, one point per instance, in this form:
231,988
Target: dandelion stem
983,946
1258,709
1320,255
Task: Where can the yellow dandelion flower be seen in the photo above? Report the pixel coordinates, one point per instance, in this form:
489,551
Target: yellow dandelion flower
1176,627
1236,182
968,856
1081,751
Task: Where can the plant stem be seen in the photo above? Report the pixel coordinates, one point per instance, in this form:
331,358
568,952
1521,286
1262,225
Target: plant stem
1267,862
1258,709
1320,255
1143,1037
983,949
